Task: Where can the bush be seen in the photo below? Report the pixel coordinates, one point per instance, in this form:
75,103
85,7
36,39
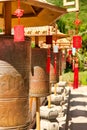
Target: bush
69,77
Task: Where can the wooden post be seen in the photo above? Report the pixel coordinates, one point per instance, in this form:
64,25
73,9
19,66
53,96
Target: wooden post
36,41
49,101
7,17
77,25
37,113
55,89
30,103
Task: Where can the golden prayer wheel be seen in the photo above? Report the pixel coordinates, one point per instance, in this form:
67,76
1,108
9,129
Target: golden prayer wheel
14,83
39,79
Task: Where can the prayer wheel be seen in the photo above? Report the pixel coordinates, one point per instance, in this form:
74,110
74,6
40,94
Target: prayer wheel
39,78
54,78
14,83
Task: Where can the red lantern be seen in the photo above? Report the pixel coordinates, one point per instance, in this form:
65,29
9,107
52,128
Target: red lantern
49,39
19,29
19,33
70,52
77,41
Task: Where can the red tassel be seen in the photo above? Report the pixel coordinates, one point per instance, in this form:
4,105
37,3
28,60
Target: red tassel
63,57
55,64
69,59
73,65
76,76
48,62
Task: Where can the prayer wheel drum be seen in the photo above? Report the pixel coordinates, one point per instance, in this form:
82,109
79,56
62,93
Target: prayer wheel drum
39,79
54,78
14,83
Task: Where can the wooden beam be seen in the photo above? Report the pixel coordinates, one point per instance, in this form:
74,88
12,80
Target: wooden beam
45,5
7,17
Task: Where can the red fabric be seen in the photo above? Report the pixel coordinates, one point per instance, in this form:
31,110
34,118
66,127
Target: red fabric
55,64
75,85
48,62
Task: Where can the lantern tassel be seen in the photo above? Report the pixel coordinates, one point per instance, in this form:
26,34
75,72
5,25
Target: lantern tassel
63,57
48,62
75,76
55,64
73,65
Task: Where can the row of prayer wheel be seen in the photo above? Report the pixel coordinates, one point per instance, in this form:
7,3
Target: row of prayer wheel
22,75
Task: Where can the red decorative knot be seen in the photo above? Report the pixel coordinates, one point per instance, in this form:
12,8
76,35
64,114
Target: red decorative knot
19,12
77,22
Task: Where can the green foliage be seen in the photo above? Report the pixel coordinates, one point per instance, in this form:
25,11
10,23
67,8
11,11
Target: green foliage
56,2
81,61
69,77
61,26
0,30
69,18
83,77
68,67
32,45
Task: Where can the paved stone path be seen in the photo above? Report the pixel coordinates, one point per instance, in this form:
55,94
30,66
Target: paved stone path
78,109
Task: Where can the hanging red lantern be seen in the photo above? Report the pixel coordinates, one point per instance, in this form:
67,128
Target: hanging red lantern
19,33
70,52
48,39
77,41
19,29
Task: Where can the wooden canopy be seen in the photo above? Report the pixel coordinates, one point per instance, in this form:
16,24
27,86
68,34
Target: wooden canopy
36,13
